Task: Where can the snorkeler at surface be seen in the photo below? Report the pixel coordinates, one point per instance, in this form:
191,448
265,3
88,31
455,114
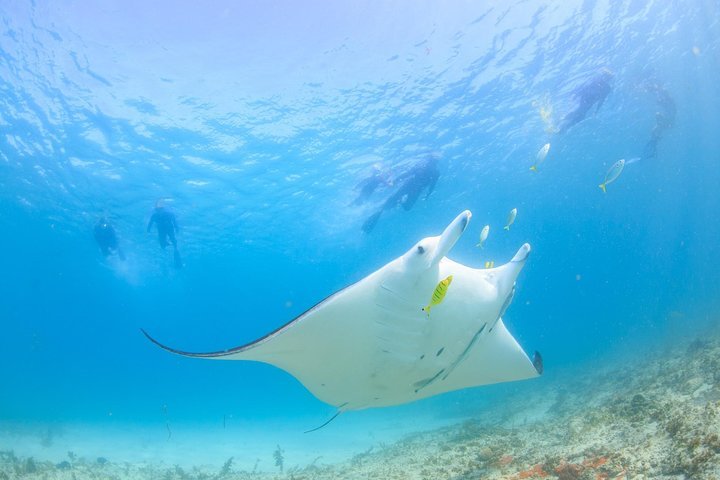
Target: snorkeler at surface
166,225
664,117
106,238
592,92
379,176
422,175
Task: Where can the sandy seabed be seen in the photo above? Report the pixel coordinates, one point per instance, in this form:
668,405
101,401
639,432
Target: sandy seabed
657,418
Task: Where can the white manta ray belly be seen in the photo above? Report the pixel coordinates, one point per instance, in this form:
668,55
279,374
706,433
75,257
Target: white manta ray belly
371,345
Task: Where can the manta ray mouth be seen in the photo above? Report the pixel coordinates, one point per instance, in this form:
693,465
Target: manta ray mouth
464,220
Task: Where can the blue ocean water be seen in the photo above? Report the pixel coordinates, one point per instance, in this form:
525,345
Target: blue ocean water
255,123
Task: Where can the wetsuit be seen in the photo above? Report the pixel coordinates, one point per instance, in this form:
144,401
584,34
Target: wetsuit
664,119
166,225
423,175
106,238
592,92
368,185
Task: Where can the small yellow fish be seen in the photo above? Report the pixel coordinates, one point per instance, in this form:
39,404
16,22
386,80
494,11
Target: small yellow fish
546,114
439,294
490,264
545,109
511,218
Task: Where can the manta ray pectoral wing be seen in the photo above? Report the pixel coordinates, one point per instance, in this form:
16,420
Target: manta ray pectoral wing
494,357
326,348
252,350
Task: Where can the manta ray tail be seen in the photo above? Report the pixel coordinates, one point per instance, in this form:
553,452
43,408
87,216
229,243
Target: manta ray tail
324,424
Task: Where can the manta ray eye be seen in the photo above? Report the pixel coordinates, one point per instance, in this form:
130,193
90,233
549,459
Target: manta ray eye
421,250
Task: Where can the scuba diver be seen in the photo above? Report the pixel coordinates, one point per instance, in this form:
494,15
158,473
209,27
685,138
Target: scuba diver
592,92
106,238
664,117
423,174
166,225
379,176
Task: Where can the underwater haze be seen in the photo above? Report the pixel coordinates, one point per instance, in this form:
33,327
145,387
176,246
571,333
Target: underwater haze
257,125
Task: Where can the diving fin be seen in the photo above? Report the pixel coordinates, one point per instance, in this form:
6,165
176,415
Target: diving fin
371,222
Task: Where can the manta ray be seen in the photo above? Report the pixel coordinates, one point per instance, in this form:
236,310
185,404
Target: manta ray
372,345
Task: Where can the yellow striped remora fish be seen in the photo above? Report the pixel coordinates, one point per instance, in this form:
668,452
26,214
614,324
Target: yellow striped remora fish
439,294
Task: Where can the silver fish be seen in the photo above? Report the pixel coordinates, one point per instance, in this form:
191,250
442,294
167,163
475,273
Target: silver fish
483,235
612,174
540,158
511,218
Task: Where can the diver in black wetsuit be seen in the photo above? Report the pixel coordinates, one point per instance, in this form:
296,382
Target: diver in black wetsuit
664,118
367,186
422,175
590,93
166,225
106,238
